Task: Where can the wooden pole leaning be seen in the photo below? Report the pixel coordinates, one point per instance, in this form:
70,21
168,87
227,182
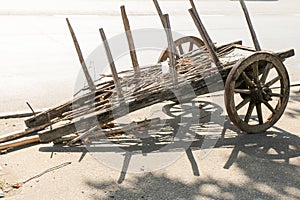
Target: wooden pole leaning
128,32
89,80
111,64
202,26
209,47
171,50
160,14
251,28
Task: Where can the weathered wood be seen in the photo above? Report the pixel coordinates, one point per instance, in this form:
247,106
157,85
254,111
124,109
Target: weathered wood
17,115
171,50
111,64
42,118
160,13
133,55
146,99
95,131
206,35
17,134
210,48
20,142
179,43
252,31
81,59
275,105
58,111
285,54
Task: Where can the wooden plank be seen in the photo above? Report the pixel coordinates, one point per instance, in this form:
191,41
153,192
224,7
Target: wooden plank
20,142
111,64
17,134
231,44
133,55
89,80
252,31
211,51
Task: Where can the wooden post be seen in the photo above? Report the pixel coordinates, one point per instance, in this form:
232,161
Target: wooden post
171,50
201,25
253,34
81,59
111,64
133,55
211,51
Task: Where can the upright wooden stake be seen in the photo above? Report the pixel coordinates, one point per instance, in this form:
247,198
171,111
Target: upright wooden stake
81,59
201,25
111,64
211,51
171,50
253,34
133,56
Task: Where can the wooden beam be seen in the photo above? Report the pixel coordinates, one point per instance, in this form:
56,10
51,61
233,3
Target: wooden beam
20,142
252,31
89,80
111,64
17,134
128,32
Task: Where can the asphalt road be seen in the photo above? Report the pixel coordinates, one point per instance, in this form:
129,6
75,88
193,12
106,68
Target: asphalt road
224,165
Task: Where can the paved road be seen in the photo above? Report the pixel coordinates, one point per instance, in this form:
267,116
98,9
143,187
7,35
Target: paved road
263,166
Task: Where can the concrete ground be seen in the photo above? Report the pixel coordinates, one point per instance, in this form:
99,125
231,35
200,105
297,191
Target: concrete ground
232,166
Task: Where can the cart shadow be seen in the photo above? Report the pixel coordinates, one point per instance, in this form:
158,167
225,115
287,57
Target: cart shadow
274,146
294,98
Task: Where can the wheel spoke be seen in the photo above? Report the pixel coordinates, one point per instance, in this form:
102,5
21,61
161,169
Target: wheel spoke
276,95
255,72
249,112
247,79
242,91
266,73
180,49
242,104
259,113
191,46
274,80
270,107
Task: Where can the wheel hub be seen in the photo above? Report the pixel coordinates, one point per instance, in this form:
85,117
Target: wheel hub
261,94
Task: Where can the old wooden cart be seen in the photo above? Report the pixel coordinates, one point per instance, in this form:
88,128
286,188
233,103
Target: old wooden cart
253,79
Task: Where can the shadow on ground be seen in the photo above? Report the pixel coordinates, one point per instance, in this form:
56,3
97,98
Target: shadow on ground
263,159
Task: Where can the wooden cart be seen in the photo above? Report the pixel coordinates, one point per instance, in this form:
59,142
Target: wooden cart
255,81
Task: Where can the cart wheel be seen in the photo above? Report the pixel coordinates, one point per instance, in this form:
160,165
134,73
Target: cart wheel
183,45
259,82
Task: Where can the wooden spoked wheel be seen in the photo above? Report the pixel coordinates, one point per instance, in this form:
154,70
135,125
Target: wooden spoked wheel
183,46
257,92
